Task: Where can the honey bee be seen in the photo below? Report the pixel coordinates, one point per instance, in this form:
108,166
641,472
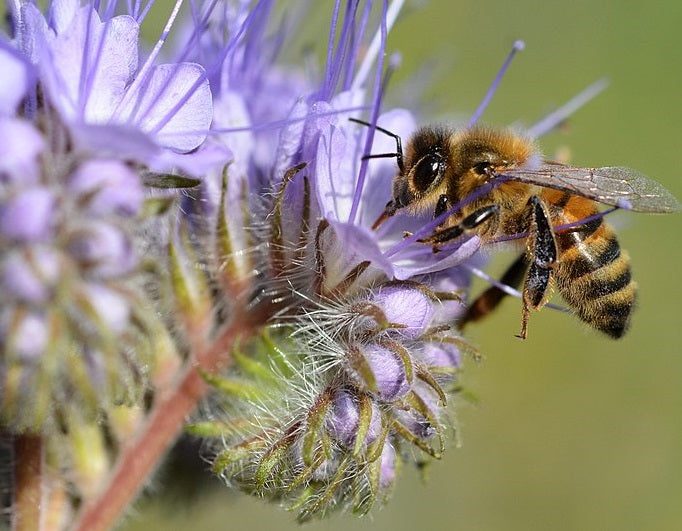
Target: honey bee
551,207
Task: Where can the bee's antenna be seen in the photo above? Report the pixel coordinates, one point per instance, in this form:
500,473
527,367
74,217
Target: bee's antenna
518,46
398,145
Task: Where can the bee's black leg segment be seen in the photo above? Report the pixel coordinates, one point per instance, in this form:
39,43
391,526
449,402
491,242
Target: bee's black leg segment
442,206
490,299
470,222
542,255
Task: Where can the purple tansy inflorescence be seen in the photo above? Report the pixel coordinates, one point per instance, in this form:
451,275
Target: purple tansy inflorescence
351,369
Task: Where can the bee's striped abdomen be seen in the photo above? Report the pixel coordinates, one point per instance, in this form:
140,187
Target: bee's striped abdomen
592,273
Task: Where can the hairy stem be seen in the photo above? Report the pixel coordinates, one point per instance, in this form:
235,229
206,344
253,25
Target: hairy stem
164,423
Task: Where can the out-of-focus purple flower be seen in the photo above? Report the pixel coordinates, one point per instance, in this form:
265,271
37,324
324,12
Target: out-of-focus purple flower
19,151
15,79
84,123
28,216
110,188
31,275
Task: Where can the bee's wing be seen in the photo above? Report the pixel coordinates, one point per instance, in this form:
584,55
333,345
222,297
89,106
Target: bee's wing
612,185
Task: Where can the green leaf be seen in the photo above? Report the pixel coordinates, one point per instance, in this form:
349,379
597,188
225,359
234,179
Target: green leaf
169,180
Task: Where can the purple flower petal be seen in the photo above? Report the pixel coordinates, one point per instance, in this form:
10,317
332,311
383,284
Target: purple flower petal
29,339
349,245
405,269
111,307
338,162
210,156
158,106
455,280
379,184
114,140
28,215
387,469
35,33
88,68
62,13
230,112
90,90
338,156
414,421
289,142
444,355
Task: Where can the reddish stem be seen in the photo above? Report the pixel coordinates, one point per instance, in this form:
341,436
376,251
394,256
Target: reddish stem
28,475
163,425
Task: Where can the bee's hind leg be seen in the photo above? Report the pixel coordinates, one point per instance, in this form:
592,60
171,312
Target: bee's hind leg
542,254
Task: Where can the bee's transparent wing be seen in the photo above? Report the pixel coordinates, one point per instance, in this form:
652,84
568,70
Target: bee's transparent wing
611,185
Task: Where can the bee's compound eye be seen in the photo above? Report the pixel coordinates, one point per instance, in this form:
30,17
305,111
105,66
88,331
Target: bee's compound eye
483,168
427,172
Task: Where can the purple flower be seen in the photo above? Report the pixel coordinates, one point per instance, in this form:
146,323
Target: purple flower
82,122
89,69
358,317
15,80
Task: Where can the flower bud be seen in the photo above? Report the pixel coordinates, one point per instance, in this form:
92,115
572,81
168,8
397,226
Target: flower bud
31,276
28,216
407,307
383,370
346,416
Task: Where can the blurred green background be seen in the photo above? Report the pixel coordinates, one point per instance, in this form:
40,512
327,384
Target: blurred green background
572,431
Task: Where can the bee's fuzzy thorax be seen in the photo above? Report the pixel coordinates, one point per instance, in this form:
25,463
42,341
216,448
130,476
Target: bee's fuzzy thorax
498,144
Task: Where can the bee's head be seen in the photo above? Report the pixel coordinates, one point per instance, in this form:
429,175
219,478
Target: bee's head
425,167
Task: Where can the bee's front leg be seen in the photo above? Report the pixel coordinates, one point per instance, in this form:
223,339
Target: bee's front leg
542,254
442,206
470,222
